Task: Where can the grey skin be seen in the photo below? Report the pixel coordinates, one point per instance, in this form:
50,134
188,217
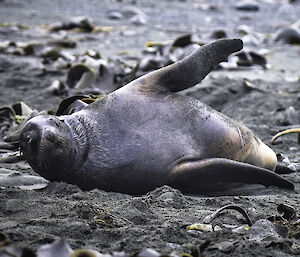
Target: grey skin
143,136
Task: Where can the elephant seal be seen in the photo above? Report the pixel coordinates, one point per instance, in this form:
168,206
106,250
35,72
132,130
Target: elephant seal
143,136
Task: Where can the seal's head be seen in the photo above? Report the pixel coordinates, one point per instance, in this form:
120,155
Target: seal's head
47,144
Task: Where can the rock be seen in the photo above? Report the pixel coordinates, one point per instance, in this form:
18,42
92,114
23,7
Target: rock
114,15
80,22
288,36
149,253
217,34
60,248
57,87
16,252
287,212
249,58
247,5
183,40
225,246
81,76
130,11
261,230
138,20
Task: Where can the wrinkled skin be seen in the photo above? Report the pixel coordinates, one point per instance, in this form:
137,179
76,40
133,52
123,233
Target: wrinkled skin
143,136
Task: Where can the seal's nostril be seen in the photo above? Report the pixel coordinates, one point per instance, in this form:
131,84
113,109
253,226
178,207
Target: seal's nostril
50,136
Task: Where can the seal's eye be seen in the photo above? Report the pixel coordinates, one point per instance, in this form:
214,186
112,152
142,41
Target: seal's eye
28,139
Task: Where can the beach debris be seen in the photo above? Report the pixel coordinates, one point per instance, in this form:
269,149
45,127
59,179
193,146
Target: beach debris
225,246
64,43
288,35
13,135
151,63
16,252
262,229
75,103
134,14
60,248
288,116
11,116
88,253
250,58
81,76
285,132
178,53
183,40
131,13
160,54
287,212
218,34
251,86
7,119
114,15
11,157
10,178
209,218
292,116
81,23
104,75
247,5
242,230
148,252
201,227
4,239
57,87
18,114
139,20
50,50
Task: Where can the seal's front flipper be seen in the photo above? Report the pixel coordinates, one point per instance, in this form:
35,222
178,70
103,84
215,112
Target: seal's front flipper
191,70
208,174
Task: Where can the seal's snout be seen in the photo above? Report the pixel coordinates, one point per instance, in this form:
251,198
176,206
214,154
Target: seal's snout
49,135
36,131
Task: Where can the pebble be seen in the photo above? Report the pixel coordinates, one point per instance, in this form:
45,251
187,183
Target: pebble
114,15
288,36
286,211
138,20
225,246
217,34
149,253
59,248
247,5
261,230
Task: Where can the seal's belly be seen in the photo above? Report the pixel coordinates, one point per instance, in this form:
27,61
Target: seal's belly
153,137
158,141
189,130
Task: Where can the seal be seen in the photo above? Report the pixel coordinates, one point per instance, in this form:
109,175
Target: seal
144,135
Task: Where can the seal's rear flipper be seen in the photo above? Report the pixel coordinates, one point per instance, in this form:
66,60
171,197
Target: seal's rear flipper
208,174
282,169
191,70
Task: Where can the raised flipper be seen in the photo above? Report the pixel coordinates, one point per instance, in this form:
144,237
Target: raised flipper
192,69
207,175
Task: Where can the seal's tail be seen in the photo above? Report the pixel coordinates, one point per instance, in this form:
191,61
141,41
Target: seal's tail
192,69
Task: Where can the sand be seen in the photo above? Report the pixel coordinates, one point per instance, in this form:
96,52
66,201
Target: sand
266,100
